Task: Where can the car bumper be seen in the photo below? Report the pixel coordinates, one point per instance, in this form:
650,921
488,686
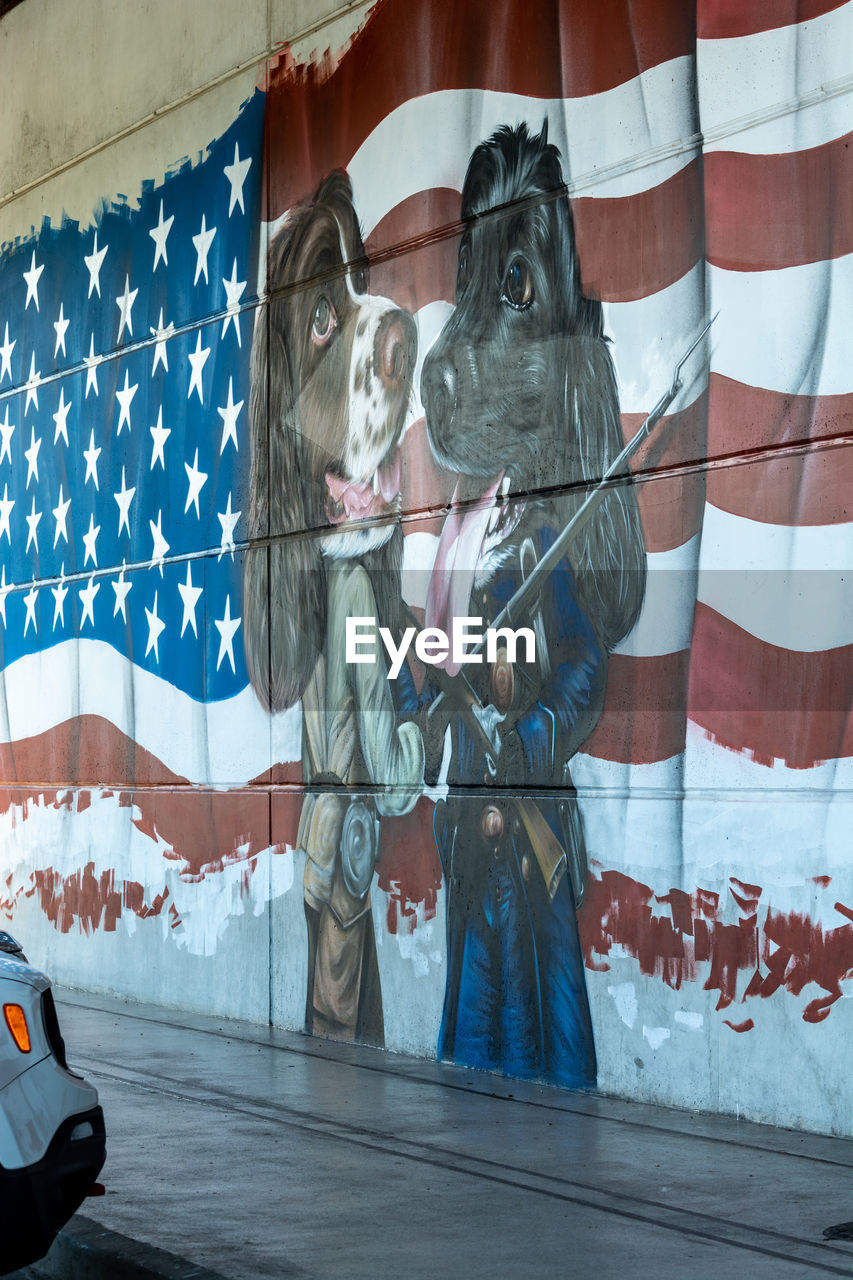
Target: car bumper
36,1201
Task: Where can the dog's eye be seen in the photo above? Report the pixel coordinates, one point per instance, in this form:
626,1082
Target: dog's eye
324,323
518,287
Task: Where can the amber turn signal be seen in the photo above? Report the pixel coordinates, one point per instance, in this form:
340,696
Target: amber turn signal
16,1021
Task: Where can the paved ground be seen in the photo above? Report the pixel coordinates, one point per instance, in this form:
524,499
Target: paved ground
257,1153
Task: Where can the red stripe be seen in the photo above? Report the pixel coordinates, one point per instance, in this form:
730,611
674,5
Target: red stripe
672,499
768,212
812,488
771,702
408,867
316,121
629,247
756,955
728,19
644,717
426,273
202,828
640,244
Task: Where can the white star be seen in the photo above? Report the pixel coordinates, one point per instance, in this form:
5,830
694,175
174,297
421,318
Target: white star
32,457
91,455
159,235
226,627
227,519
87,598
121,587
33,524
60,326
162,336
189,595
124,498
30,601
32,384
60,515
160,545
155,629
6,431
89,540
233,291
6,505
60,591
91,361
236,175
197,359
197,481
202,243
160,435
60,418
4,591
124,398
93,261
32,279
229,414
6,355
125,302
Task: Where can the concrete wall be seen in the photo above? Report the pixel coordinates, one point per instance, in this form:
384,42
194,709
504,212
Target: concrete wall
149,837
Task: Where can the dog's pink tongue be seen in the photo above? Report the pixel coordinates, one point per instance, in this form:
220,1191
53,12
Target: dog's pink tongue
456,559
389,478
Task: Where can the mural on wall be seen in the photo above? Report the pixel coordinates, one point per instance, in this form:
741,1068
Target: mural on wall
219,439
520,398
331,379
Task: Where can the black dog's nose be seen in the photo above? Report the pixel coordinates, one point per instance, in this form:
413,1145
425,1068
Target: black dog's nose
396,343
438,394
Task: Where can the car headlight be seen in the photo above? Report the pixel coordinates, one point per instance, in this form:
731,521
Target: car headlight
16,1021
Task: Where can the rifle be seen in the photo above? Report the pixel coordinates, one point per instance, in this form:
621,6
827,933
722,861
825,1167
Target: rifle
548,852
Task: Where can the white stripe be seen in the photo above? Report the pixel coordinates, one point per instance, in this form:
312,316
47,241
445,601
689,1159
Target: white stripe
631,814
220,744
649,337
665,623
787,585
746,79
427,141
786,330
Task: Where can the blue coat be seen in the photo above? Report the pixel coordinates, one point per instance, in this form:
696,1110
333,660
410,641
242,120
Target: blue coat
515,997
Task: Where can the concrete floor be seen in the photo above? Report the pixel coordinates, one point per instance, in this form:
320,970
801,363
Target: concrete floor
258,1153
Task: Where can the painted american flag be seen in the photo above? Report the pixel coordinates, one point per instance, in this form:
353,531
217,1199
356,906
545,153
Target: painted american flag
706,149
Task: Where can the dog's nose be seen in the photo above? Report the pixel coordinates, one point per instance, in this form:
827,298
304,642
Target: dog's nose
438,393
395,347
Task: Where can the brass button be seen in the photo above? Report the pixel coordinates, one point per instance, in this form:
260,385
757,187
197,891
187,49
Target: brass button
525,867
502,681
491,823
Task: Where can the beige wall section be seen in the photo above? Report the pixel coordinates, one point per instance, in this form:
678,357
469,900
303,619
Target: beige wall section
79,78
76,74
145,154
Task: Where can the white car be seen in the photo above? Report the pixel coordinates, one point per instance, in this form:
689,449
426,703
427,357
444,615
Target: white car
52,1143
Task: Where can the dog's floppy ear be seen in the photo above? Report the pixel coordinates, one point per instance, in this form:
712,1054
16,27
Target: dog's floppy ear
609,556
284,594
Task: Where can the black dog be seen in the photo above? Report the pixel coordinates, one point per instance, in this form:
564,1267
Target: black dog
521,401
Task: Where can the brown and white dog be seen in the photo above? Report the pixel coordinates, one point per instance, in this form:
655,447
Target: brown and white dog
331,380
332,371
